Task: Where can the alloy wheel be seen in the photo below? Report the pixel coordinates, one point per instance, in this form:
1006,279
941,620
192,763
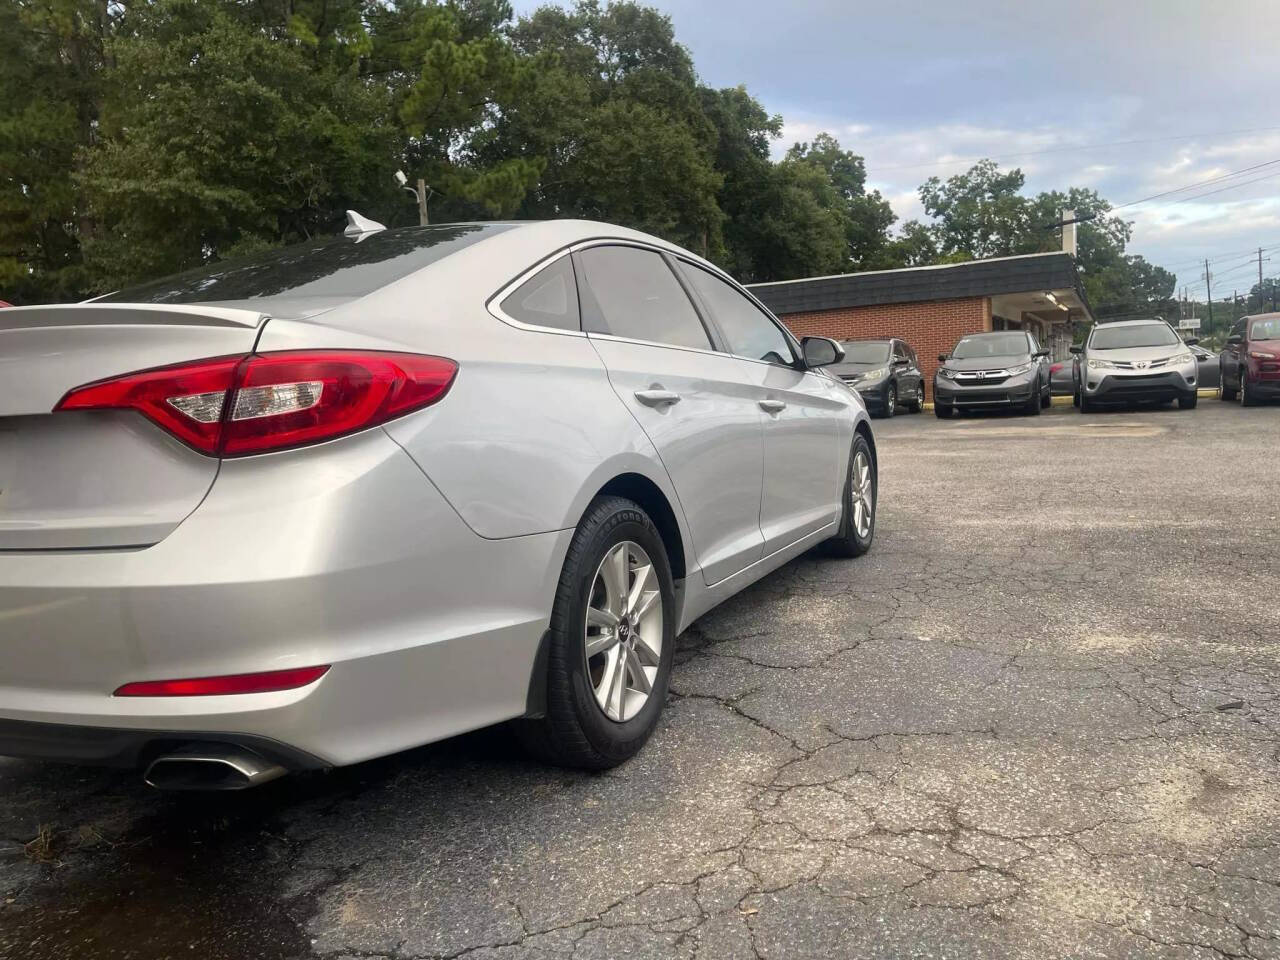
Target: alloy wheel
861,494
623,631
891,401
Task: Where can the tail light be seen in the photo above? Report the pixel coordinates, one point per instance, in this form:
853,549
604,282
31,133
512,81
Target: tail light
1055,368
234,406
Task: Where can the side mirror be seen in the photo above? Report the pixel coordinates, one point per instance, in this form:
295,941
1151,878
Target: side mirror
821,351
1077,349
901,361
1041,354
942,358
1235,339
1191,341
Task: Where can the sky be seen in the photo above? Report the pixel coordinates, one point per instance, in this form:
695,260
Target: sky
924,87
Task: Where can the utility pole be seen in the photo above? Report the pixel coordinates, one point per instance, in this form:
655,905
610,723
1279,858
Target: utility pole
422,204
1208,292
1259,279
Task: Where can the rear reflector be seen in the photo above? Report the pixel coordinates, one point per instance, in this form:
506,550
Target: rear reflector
221,686
233,406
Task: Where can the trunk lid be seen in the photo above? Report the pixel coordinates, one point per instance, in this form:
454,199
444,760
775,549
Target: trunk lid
102,478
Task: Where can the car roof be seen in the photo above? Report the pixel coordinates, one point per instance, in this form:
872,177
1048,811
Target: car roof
1144,322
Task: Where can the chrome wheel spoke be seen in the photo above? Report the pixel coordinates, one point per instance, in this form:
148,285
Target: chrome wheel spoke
623,631
645,651
639,679
644,577
605,619
617,695
645,605
602,642
614,571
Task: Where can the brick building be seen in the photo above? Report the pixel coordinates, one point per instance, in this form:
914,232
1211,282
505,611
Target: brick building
932,307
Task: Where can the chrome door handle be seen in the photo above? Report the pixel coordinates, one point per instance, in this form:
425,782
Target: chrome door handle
772,406
657,398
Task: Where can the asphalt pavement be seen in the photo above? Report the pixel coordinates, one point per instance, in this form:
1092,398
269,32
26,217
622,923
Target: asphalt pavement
1039,719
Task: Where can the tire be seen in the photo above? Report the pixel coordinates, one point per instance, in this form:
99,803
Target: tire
890,400
942,411
1075,398
850,541
1226,394
1188,403
1046,401
1247,397
1033,403
1086,406
576,731
916,405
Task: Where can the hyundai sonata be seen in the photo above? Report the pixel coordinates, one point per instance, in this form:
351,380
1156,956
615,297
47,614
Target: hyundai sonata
344,498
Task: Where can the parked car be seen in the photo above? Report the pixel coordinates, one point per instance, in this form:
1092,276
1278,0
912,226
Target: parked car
1061,378
1208,366
372,491
1250,362
993,370
885,373
1135,361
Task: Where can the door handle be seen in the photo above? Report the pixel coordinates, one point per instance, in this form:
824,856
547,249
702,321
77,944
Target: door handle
772,406
657,398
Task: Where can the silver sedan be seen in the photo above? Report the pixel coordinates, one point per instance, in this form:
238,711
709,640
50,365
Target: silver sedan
341,499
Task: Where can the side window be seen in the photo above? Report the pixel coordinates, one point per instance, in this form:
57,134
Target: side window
630,292
900,351
547,299
1031,343
749,332
1238,329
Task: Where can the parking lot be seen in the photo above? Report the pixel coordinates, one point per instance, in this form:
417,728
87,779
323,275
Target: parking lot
1039,719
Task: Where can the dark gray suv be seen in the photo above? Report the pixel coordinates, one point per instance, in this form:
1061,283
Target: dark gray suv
990,371
885,373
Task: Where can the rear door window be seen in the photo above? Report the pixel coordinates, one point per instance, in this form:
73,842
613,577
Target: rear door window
631,292
547,299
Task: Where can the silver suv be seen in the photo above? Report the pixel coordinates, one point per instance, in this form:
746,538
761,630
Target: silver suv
1134,361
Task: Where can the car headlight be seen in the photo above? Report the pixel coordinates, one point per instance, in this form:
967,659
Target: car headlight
1259,355
1097,364
1187,357
1020,369
947,374
878,374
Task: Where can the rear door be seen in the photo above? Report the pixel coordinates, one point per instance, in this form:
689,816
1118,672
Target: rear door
1231,354
100,478
804,447
695,403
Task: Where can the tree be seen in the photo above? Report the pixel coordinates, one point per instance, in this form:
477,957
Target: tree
980,213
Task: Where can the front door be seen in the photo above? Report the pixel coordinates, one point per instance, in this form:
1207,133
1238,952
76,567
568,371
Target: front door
804,448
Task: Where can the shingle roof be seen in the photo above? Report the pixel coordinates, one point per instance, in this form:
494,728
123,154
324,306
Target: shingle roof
975,278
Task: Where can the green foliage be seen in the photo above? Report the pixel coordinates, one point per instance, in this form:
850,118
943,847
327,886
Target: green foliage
138,139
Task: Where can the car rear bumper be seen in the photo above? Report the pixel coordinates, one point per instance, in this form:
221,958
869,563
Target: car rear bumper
343,555
1151,387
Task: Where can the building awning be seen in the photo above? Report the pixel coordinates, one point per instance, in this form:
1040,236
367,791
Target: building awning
1046,284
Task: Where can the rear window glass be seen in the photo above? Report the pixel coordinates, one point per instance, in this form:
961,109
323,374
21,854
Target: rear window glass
335,267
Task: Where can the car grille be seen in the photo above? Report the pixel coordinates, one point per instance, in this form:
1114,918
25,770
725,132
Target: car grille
982,396
970,377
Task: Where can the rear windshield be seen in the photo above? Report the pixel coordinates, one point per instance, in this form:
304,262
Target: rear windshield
1143,335
1268,329
991,345
337,267
865,351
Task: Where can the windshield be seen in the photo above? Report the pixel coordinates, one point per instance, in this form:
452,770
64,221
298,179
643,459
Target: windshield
865,351
1268,329
1142,335
336,267
991,345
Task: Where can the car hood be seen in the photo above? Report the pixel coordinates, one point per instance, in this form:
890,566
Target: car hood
856,369
1130,354
988,363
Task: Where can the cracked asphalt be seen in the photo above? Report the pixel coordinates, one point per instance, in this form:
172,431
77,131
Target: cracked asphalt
1039,719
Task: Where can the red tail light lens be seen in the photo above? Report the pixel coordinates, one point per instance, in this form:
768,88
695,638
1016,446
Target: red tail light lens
268,682
234,406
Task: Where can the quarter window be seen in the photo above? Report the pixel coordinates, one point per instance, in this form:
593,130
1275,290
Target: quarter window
630,292
547,299
749,331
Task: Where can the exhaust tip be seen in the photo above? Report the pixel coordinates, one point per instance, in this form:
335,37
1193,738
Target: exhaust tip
211,766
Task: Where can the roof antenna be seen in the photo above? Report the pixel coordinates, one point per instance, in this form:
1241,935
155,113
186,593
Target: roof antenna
360,227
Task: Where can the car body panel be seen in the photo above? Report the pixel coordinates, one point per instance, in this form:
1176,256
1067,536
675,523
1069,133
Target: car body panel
1140,373
986,382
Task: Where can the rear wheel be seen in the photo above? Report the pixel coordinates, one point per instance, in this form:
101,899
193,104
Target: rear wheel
1033,402
1046,398
1226,393
916,404
858,519
891,400
1188,403
611,641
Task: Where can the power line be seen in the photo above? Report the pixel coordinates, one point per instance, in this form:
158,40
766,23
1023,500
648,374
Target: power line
1200,183
1075,149
1230,186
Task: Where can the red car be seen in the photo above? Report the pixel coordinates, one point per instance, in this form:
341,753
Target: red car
1250,363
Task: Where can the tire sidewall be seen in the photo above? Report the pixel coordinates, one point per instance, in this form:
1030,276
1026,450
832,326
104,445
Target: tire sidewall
856,544
609,737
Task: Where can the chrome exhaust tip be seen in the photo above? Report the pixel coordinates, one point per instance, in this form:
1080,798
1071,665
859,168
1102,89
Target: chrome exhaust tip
211,766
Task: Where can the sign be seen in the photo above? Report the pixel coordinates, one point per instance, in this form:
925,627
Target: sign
1189,323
